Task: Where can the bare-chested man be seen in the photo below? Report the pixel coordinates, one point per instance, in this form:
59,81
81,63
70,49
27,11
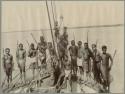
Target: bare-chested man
32,54
53,59
65,76
106,67
96,64
8,65
21,61
41,48
80,59
52,54
62,48
73,49
87,55
57,33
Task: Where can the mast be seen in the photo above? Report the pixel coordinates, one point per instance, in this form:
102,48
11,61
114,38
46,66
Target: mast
50,26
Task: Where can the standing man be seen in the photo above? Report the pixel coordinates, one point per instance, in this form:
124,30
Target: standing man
80,58
73,50
61,46
32,54
106,67
65,76
65,40
87,55
52,54
8,65
53,61
65,36
96,64
21,61
57,33
42,46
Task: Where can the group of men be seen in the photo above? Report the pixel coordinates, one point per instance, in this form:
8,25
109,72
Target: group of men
65,60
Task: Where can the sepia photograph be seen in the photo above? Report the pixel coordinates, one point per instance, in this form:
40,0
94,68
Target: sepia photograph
52,46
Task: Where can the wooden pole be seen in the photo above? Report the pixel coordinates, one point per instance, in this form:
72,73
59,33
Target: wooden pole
50,24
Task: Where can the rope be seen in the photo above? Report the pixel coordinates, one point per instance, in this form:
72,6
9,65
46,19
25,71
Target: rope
55,10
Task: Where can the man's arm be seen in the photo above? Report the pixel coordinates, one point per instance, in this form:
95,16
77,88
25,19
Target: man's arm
59,79
76,50
111,59
29,53
91,55
12,62
3,61
17,55
25,55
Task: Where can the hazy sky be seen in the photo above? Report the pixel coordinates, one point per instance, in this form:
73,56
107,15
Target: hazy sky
29,15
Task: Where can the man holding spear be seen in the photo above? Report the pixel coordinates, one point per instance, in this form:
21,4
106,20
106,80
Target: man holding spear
96,64
106,68
41,48
87,55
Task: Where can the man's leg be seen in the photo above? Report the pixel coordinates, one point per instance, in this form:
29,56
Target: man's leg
24,74
10,75
20,74
75,62
33,71
7,77
8,80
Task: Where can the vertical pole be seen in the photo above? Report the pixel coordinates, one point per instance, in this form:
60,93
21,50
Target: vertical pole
50,24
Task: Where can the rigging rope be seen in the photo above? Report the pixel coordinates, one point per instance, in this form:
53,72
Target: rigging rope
54,19
55,10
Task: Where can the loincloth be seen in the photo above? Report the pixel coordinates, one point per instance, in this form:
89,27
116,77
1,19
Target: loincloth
67,73
8,68
21,65
105,73
86,66
33,59
79,62
33,65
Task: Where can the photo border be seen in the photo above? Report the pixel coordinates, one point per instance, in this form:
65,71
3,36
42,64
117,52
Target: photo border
55,0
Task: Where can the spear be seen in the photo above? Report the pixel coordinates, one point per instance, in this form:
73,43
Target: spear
88,36
28,43
74,37
96,42
114,54
17,44
112,64
43,34
61,21
33,38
